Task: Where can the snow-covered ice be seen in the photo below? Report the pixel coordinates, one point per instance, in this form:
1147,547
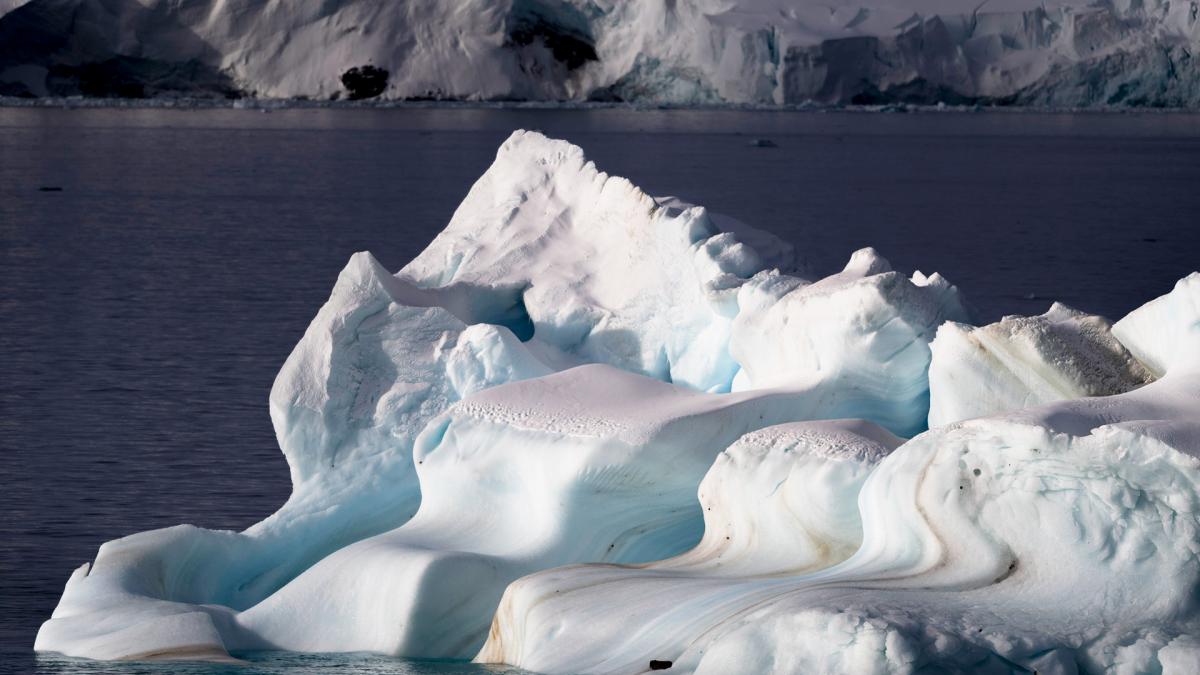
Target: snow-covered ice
587,428
590,464
866,327
1062,538
596,269
1022,361
1024,52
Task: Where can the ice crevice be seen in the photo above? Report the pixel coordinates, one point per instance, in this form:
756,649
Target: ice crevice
587,428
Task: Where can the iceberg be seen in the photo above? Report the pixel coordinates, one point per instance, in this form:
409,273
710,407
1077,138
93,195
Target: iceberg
686,52
1059,538
378,362
587,429
545,249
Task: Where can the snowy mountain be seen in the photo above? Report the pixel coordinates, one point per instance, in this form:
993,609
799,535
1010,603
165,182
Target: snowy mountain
1018,52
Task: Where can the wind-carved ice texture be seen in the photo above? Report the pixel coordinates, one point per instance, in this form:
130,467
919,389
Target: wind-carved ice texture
585,268
1020,362
684,52
1058,539
574,372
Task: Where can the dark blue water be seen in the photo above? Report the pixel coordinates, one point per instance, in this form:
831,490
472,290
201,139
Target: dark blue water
146,306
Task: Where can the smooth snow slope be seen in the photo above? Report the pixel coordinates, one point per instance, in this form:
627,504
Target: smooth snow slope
1027,52
1059,539
591,464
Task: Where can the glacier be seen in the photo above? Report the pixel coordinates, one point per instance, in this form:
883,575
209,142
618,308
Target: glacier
1059,53
587,428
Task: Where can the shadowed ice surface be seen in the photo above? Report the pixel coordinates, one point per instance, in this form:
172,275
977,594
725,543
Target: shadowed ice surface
268,663
146,304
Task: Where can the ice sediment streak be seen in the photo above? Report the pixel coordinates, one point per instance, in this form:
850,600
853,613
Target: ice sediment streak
1025,361
779,501
784,499
592,464
1061,538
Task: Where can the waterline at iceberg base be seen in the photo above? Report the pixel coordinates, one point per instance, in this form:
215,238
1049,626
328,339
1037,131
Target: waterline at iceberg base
587,429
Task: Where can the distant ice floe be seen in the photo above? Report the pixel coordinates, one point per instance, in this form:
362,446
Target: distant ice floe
1058,53
587,429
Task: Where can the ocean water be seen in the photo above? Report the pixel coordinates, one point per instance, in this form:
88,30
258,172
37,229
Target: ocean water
157,266
262,663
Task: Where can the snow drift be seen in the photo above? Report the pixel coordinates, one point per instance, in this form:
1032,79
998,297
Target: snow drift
1024,52
586,429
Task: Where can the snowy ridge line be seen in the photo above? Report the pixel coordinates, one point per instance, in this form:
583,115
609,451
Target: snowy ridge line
587,429
1071,53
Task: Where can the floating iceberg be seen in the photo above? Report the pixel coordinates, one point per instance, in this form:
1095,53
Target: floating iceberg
586,429
1061,538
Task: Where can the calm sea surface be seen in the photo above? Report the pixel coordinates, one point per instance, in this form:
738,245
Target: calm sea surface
146,306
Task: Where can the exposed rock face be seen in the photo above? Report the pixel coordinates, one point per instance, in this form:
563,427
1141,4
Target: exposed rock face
365,82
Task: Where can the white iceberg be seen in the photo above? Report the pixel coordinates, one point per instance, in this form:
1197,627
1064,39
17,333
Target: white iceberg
574,372
579,264
1062,538
1019,362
